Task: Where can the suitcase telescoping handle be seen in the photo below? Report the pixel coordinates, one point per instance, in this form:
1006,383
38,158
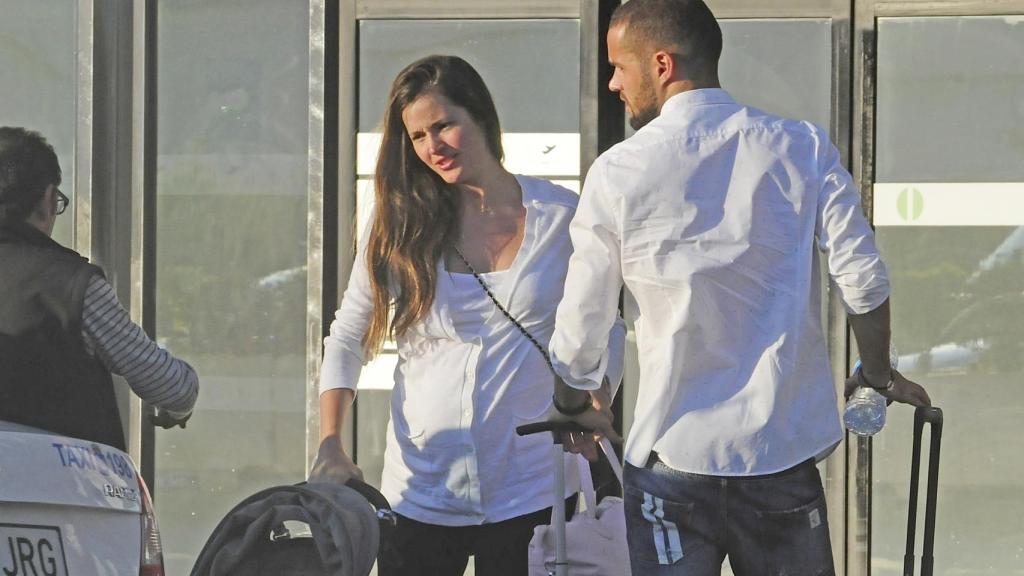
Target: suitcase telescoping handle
556,428
558,508
932,416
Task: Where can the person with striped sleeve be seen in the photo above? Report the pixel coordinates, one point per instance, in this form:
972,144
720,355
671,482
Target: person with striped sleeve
63,332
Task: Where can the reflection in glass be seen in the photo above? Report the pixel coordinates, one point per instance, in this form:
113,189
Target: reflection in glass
39,83
949,111
231,238
956,319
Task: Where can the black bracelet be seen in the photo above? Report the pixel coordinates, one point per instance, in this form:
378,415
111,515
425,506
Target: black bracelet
571,411
864,381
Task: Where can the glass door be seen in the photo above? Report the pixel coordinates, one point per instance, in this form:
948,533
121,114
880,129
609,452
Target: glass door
231,258
949,211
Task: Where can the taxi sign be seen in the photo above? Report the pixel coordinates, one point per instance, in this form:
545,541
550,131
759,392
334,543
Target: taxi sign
58,470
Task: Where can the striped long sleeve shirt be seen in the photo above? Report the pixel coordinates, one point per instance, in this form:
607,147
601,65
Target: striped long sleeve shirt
121,345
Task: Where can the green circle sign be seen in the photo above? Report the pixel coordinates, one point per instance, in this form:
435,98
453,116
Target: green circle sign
910,204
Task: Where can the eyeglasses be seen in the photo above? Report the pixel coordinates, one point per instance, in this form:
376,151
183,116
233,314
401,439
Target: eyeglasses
62,201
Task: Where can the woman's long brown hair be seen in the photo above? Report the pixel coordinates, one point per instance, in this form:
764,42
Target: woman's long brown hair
417,213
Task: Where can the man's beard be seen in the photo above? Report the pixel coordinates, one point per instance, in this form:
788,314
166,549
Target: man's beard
643,117
645,106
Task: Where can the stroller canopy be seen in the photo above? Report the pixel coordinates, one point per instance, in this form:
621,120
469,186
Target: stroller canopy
252,540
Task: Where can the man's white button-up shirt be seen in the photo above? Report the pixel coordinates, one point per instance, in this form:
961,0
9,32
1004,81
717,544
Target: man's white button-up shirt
713,216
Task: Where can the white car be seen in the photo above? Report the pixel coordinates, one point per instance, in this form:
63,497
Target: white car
72,507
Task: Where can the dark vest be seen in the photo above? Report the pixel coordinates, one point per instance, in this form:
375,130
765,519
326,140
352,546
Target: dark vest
47,379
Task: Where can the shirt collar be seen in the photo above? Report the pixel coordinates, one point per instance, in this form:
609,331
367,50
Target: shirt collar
699,97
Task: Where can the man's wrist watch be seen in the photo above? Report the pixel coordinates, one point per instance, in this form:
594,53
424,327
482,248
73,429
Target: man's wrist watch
864,381
571,410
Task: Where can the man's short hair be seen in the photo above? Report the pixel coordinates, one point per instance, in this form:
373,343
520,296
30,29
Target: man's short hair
28,165
686,27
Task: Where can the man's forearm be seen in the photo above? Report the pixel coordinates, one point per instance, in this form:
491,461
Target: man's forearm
873,336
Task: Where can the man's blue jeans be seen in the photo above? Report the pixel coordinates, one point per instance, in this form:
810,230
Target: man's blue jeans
681,523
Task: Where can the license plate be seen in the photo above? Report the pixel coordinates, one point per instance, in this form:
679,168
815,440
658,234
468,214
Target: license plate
31,551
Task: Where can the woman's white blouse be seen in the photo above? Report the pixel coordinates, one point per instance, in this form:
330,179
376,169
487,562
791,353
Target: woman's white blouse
452,456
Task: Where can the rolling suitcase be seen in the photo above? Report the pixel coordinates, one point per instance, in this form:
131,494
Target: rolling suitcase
932,416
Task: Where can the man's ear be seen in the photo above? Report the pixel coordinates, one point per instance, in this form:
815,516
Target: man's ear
46,203
44,213
664,64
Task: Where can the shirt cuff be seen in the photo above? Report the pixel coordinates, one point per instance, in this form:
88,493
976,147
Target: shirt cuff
865,299
176,414
582,380
338,372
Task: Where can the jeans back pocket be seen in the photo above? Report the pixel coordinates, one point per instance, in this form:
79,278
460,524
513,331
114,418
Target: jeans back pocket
656,528
796,541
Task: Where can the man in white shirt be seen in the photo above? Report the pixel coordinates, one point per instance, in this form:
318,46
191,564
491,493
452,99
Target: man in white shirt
713,215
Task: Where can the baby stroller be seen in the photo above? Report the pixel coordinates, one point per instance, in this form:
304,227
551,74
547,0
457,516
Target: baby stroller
302,530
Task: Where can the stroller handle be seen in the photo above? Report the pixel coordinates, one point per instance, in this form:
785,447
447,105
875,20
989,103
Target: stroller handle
374,497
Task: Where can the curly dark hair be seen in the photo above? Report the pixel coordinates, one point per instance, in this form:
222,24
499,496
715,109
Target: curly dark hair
28,165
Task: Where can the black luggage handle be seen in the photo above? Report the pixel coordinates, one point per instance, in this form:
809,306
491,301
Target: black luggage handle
556,428
932,416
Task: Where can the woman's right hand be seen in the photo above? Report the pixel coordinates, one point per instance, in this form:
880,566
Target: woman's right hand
586,444
332,465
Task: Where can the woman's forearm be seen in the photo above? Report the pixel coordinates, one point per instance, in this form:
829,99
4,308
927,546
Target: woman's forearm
334,408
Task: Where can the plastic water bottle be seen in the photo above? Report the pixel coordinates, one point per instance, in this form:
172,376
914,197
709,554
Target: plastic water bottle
865,410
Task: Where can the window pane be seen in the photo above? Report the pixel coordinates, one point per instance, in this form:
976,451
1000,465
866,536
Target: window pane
39,83
949,99
781,66
529,98
231,239
770,64
949,206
